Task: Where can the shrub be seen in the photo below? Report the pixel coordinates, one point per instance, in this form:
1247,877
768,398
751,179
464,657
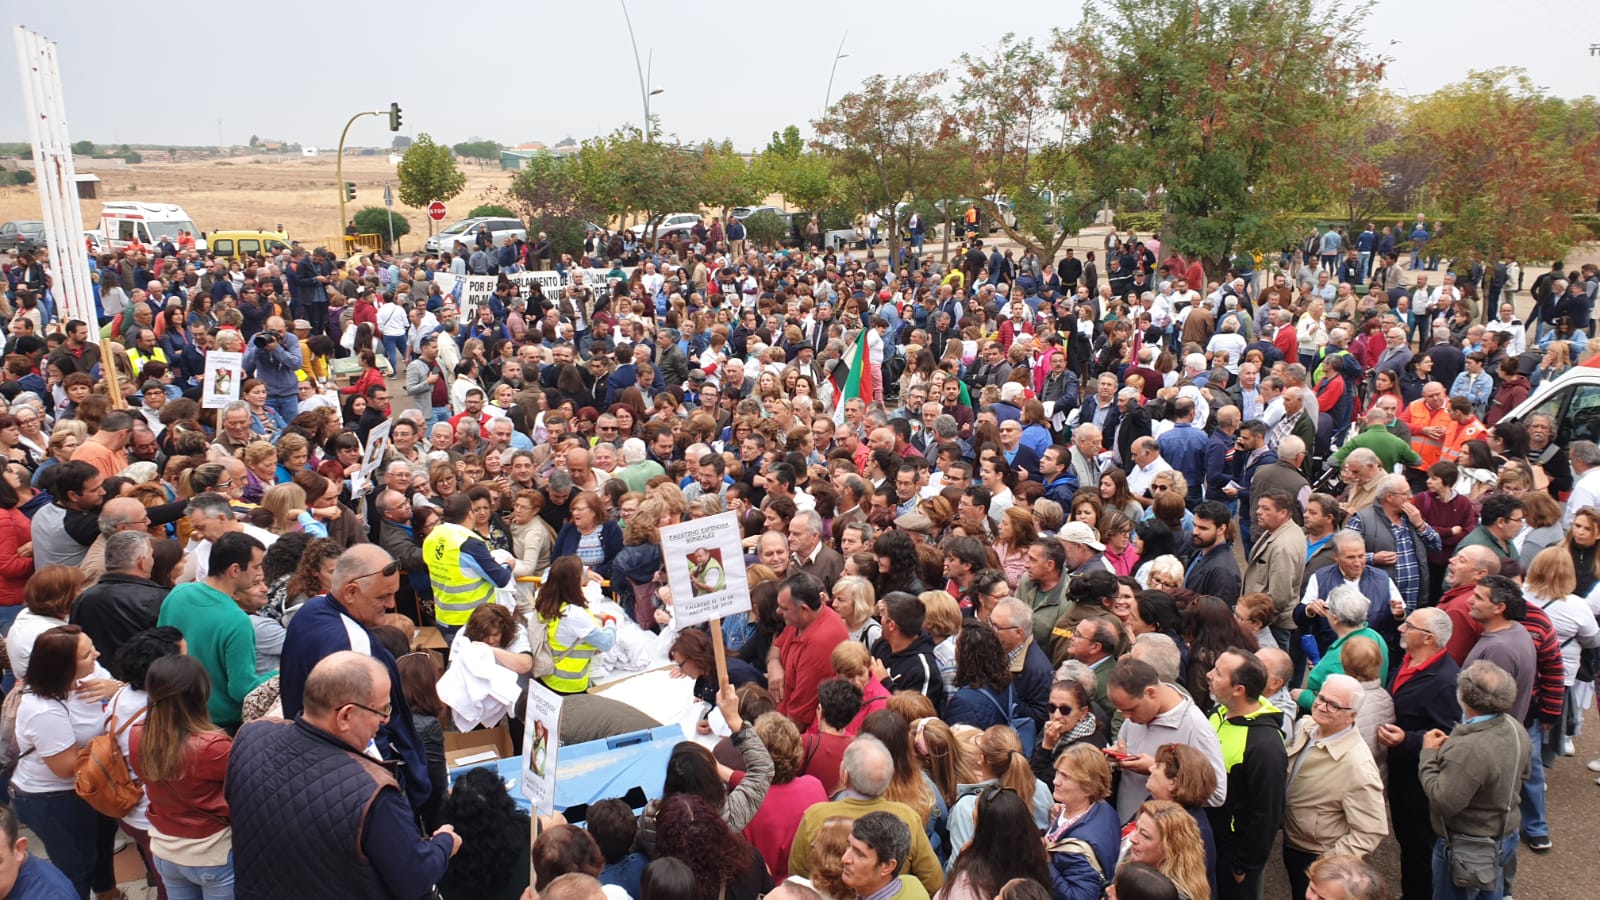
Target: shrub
491,209
376,220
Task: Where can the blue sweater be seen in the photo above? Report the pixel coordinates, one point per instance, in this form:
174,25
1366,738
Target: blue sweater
321,627
277,366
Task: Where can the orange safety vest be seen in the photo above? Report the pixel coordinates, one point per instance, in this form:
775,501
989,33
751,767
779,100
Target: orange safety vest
1459,435
1417,416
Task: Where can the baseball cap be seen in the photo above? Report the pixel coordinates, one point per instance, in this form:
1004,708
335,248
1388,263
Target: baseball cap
1080,533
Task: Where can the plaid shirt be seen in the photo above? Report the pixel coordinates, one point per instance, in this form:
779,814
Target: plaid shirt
1407,571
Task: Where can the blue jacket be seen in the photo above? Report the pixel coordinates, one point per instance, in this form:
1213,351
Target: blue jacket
1218,472
276,367
1184,449
322,627
610,539
1072,877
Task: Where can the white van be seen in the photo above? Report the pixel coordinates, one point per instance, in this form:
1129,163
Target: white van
124,220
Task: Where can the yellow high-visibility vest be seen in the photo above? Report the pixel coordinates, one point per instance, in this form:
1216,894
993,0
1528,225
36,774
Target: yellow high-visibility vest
572,663
456,592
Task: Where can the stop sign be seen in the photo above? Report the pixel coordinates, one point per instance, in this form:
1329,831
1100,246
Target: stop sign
436,211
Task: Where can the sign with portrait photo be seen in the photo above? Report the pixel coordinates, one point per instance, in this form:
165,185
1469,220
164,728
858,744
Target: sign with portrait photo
223,376
705,569
540,741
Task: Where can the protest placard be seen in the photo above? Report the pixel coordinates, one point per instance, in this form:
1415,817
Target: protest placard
220,385
540,743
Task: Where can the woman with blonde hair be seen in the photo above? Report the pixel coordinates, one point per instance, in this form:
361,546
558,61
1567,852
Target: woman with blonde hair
293,452
1583,545
854,600
1082,817
942,622
1550,585
947,762
1016,535
1166,838
287,503
1543,516
261,469
852,662
1002,762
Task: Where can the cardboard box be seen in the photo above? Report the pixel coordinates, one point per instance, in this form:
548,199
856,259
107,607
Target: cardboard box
428,638
472,748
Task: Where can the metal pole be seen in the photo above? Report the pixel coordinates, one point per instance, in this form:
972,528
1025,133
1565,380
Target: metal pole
339,166
389,207
838,55
644,92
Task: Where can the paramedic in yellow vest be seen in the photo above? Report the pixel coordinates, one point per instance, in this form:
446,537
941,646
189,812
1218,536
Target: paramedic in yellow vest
463,573
144,350
576,635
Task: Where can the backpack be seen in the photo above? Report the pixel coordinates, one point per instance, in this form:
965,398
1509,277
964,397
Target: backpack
544,660
102,777
10,752
1027,730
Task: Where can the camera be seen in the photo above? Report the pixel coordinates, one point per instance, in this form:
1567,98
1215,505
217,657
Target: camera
265,339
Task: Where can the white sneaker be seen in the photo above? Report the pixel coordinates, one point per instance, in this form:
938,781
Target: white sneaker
1567,749
1594,765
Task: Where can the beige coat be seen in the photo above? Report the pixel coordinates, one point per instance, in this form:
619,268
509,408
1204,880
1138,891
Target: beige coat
1335,801
1277,566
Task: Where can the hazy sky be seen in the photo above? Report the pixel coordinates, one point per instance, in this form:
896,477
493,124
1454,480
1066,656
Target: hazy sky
542,71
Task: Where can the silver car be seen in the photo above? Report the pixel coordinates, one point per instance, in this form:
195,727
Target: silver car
466,231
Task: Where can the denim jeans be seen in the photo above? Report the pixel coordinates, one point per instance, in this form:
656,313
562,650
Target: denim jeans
288,406
1445,889
197,882
393,347
66,825
1534,824
440,414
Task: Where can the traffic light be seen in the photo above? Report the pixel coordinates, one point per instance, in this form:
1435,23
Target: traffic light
349,191
394,117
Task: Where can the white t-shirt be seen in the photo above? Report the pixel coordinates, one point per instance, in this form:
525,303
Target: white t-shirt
202,550
48,727
24,631
129,703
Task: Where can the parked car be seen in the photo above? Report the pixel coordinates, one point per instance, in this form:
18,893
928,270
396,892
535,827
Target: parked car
1573,400
466,231
21,235
240,244
745,212
124,221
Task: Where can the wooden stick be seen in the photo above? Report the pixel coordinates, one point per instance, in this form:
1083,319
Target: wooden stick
721,652
108,359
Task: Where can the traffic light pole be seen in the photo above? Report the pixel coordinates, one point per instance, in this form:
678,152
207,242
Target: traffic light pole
340,166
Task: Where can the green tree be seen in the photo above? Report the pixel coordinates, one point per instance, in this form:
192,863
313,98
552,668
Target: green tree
1513,196
1209,104
428,173
496,210
479,150
255,140
785,144
727,179
623,174
376,220
766,229
83,148
882,140
804,178
1007,101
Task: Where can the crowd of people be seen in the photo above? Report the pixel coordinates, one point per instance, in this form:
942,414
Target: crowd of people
1103,582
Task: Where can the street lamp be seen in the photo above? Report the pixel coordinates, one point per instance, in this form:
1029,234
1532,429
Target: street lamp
347,189
838,55
644,74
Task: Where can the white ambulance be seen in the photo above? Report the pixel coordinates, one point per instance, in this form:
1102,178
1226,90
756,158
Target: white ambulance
124,220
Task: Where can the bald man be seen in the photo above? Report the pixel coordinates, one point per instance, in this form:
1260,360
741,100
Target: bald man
365,580
118,514
334,798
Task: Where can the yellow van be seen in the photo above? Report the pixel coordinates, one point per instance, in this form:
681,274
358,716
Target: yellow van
241,244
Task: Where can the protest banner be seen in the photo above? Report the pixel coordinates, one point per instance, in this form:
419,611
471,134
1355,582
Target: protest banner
223,376
377,448
540,743
705,570
478,290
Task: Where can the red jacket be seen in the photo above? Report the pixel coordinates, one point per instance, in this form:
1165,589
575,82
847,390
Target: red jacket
368,378
15,530
196,806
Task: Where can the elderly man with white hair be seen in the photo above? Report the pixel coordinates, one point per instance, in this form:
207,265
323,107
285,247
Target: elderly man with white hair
1335,801
1345,609
1194,370
1398,538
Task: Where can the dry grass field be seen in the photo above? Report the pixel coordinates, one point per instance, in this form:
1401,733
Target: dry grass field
261,192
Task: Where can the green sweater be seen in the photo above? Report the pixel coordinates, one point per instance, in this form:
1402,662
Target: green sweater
220,636
1380,440
1330,664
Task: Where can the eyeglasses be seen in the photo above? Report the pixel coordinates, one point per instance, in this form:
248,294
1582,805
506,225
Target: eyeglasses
1410,627
1063,709
390,569
1329,704
382,714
